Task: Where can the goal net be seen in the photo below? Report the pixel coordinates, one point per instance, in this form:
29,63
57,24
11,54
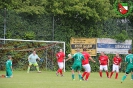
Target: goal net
20,50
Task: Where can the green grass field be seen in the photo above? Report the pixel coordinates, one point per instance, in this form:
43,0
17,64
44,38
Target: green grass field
48,79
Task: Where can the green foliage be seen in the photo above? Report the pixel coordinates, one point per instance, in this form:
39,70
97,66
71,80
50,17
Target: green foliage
25,6
96,10
29,35
121,37
40,19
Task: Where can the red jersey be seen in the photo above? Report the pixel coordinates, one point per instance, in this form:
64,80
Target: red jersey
103,60
86,56
60,56
117,60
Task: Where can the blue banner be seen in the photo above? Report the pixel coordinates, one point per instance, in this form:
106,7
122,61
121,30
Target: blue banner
114,46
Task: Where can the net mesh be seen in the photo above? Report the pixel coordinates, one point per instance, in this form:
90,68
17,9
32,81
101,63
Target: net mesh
20,50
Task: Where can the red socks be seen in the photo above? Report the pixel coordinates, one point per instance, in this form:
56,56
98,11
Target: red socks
100,74
107,73
59,71
87,75
116,76
111,74
84,74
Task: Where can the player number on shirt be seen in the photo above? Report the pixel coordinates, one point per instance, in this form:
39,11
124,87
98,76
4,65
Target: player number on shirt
79,57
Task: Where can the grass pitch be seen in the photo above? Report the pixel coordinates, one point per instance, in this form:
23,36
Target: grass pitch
48,79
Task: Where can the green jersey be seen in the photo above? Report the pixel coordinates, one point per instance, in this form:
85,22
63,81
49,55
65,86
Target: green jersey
78,57
8,64
129,60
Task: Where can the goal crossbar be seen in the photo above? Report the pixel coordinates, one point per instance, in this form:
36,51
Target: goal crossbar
31,40
55,42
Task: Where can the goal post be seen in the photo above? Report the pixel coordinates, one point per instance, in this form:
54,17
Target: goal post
20,47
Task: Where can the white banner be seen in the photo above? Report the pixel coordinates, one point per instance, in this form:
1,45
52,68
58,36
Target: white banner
110,46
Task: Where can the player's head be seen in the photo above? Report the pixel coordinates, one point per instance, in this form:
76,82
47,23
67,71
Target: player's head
129,51
78,50
34,52
9,57
102,53
84,49
117,54
61,50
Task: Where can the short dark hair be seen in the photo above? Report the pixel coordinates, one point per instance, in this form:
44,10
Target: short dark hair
129,51
84,49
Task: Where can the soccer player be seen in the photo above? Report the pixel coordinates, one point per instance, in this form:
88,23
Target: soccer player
78,57
116,65
32,60
86,65
9,70
60,59
129,68
103,61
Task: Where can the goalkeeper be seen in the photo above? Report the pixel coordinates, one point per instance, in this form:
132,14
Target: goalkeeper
32,60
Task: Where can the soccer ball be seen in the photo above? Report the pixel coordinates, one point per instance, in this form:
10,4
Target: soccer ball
69,55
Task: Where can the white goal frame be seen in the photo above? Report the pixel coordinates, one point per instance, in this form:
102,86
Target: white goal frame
58,42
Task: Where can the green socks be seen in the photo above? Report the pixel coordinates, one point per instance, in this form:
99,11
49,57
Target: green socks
124,77
79,77
72,76
132,76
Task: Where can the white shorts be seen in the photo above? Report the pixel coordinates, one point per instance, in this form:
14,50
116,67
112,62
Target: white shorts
60,64
87,67
115,68
103,67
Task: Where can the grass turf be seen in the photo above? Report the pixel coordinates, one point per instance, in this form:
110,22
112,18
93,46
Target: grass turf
48,79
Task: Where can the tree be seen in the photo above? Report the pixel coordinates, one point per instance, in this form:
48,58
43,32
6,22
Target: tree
25,6
84,9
